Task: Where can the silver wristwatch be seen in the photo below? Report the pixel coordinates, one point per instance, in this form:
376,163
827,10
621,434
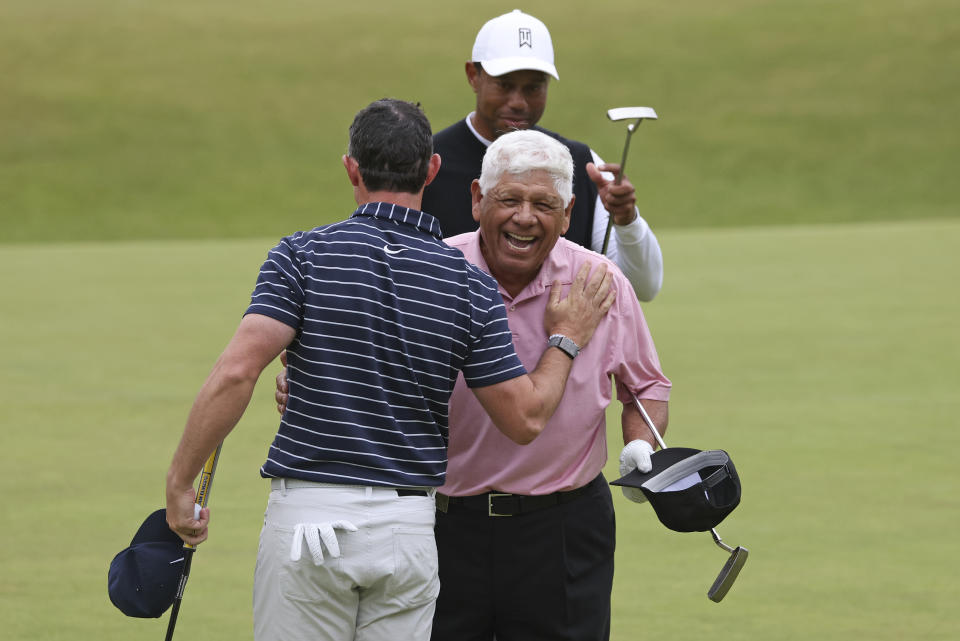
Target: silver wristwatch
568,347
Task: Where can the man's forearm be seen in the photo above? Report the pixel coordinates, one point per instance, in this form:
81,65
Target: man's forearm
549,380
635,427
521,407
636,251
216,411
226,393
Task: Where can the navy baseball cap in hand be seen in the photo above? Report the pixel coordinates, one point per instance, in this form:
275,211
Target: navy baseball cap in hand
690,490
143,578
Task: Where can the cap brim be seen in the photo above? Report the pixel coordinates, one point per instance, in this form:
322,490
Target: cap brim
661,460
501,66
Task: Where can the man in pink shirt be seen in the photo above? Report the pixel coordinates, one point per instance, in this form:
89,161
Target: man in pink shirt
526,534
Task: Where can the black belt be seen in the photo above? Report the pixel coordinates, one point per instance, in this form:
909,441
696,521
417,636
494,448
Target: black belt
501,504
407,492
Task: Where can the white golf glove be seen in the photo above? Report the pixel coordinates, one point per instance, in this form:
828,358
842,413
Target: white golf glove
635,455
314,533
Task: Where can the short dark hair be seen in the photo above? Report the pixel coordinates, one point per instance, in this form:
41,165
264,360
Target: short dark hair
392,143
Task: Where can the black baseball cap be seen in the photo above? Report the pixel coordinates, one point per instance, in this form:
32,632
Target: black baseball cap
690,490
144,577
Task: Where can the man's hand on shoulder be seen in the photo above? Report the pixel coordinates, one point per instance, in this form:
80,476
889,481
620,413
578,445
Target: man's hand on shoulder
587,302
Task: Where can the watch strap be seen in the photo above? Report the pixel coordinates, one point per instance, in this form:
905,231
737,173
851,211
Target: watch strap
564,344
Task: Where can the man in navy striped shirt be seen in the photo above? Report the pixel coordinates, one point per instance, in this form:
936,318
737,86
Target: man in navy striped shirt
378,316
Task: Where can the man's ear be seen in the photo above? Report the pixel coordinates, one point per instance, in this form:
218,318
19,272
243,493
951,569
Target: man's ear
353,170
476,197
432,169
566,216
473,75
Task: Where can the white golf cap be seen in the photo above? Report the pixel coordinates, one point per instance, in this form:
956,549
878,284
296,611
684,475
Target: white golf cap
512,42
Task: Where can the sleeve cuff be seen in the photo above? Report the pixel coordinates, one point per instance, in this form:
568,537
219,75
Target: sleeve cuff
632,233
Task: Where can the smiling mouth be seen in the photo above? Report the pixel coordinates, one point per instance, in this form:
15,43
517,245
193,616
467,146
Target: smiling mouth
516,123
518,241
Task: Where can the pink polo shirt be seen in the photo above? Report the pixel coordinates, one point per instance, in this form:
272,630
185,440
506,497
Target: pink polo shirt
572,449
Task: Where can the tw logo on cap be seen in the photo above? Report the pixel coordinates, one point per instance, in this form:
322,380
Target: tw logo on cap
526,37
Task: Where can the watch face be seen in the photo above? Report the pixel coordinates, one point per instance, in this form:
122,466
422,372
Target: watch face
568,346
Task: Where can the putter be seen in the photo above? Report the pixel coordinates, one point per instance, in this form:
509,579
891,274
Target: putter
728,574
626,113
203,495
738,556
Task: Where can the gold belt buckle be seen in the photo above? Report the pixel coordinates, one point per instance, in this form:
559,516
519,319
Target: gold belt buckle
490,498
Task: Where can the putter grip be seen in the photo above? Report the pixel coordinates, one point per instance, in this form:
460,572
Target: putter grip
206,482
206,477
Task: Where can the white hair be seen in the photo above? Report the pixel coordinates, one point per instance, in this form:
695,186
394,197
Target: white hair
520,152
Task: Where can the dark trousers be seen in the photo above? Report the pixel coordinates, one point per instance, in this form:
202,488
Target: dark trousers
544,575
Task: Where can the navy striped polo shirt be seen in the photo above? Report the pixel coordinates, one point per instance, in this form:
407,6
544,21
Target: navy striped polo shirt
386,316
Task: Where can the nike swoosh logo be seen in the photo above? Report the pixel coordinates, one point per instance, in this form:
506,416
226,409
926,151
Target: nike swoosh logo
392,251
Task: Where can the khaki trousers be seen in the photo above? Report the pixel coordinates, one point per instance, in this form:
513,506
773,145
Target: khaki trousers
384,583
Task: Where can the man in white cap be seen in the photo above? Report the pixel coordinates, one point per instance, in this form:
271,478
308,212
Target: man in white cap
509,72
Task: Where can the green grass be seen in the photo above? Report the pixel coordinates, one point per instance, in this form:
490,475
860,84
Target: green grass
227,119
823,358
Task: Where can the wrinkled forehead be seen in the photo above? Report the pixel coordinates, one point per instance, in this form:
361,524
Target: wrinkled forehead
532,179
535,182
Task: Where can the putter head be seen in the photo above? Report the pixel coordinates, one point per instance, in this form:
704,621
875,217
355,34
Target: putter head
632,113
728,574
